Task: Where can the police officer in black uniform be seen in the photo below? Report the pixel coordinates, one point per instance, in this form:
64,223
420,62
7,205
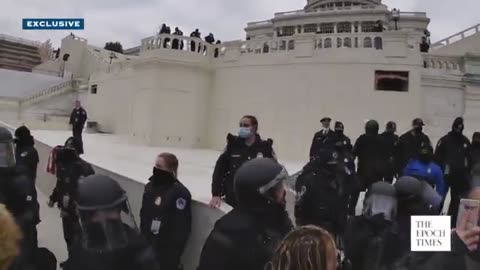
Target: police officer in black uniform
18,194
247,145
474,151
25,154
78,117
371,239
324,190
409,145
166,215
246,237
451,154
70,168
109,235
322,139
390,139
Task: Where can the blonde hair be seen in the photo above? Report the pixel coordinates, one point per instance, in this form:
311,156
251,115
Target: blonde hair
10,237
305,248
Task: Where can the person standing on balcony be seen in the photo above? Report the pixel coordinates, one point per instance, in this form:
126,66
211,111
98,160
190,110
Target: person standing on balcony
77,121
166,215
246,146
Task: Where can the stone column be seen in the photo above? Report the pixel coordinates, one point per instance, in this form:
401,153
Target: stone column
334,28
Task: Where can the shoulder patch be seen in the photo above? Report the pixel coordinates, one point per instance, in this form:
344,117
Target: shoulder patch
181,203
259,155
24,154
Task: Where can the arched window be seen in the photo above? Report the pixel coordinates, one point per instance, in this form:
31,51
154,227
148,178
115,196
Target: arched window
367,42
339,42
328,43
378,43
347,42
266,48
291,45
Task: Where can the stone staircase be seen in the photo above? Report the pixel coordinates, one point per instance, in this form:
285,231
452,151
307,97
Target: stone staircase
50,92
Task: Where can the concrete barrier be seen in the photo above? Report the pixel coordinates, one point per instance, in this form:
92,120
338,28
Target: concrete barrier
203,216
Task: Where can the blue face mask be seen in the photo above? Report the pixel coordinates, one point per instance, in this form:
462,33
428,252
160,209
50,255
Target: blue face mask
244,132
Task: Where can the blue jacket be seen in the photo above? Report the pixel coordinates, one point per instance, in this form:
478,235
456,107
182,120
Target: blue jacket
432,173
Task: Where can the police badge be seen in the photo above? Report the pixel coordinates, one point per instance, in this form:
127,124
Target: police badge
158,201
181,203
260,155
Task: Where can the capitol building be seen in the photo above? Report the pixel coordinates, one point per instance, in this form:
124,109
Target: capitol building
352,60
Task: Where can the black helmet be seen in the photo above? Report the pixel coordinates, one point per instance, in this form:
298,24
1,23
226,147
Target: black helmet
372,127
7,152
416,197
73,143
100,204
254,182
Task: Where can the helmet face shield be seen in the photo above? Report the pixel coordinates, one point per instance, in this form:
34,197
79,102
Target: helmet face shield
7,155
377,204
107,229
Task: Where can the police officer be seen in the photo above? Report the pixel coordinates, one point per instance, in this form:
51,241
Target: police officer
390,139
247,145
70,168
371,153
78,117
322,138
25,154
415,198
166,215
370,239
424,168
452,155
18,194
109,236
246,237
323,193
409,144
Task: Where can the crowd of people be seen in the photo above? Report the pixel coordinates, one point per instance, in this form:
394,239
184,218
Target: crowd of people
402,176
177,44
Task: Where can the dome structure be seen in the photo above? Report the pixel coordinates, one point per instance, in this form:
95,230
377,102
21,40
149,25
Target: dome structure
314,4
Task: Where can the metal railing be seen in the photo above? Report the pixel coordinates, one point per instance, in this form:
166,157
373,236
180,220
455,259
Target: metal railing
457,37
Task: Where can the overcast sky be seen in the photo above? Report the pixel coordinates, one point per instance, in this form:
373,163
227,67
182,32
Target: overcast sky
128,21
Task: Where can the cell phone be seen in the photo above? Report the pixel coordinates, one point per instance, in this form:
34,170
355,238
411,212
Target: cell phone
466,206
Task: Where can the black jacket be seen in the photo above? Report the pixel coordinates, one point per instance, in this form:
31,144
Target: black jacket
78,117
168,205
69,173
474,154
407,148
26,155
323,196
451,153
390,140
137,256
321,140
242,240
235,154
371,151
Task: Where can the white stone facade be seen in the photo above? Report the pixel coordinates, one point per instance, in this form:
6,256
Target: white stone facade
194,96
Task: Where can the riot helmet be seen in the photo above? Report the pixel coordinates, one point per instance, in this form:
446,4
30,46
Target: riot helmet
372,127
105,214
381,199
257,185
7,151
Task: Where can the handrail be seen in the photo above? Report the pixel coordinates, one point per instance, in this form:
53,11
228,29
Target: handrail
51,90
462,34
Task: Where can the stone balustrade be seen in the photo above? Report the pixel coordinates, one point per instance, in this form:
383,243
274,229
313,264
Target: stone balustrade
457,37
360,40
326,9
443,62
181,43
59,88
